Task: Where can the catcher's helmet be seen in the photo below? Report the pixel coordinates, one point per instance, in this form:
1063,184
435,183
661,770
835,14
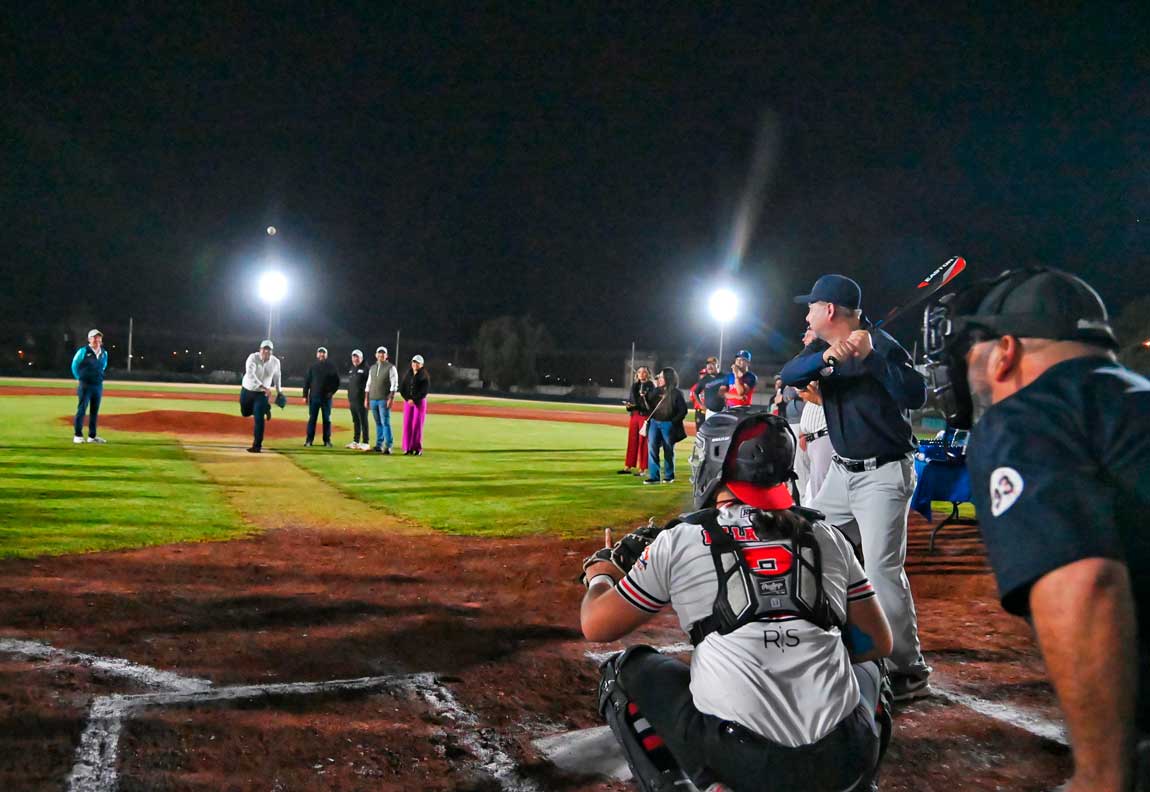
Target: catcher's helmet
749,450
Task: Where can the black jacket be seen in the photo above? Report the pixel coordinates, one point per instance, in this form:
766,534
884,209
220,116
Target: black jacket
357,382
415,387
642,397
321,382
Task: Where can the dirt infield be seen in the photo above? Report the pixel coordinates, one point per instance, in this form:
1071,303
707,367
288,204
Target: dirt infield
196,423
495,622
494,411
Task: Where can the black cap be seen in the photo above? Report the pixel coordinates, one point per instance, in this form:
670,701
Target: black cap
1043,303
837,289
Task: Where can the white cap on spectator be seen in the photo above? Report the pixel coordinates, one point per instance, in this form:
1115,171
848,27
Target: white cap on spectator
355,352
417,359
267,344
381,349
93,333
321,349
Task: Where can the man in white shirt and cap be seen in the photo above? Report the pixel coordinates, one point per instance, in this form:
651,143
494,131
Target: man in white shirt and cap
261,375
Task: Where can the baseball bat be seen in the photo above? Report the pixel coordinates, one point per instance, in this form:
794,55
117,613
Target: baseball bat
925,288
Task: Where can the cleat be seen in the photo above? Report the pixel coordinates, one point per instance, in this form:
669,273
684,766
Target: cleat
77,439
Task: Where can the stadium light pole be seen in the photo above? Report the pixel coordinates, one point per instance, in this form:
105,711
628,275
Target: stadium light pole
272,289
723,303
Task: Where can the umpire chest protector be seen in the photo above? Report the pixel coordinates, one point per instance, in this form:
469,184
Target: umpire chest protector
779,575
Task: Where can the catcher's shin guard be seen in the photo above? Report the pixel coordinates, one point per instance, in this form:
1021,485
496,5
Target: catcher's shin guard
651,763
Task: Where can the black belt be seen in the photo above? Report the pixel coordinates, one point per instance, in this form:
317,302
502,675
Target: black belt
810,438
860,465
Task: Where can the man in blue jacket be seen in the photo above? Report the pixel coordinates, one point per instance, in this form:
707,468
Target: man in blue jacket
88,367
867,491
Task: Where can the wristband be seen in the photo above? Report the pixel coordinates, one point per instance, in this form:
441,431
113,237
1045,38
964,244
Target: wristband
595,579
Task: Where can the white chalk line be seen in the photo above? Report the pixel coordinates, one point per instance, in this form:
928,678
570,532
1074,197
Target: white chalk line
95,767
112,666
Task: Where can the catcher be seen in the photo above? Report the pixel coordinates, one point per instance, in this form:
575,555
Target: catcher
778,609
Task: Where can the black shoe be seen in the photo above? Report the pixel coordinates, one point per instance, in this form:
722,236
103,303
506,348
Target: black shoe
307,444
387,452
327,444
650,481
624,472
669,481
419,452
376,450
407,453
253,450
908,688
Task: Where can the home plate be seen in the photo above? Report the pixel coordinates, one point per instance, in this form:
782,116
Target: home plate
587,751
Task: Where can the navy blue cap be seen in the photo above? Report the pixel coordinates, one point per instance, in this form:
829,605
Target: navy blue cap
837,289
742,353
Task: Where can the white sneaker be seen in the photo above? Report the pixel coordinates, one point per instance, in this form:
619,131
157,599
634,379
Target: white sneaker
96,440
364,447
352,445
77,440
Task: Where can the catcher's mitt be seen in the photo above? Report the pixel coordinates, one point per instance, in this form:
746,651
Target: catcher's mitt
625,552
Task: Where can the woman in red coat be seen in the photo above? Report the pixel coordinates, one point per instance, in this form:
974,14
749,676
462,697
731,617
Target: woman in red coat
640,406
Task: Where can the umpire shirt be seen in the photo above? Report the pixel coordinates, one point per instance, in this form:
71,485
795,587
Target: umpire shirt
1060,472
864,400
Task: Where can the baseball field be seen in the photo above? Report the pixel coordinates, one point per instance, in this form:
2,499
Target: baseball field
178,614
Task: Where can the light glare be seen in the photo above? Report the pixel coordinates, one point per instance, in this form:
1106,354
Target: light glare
723,305
272,287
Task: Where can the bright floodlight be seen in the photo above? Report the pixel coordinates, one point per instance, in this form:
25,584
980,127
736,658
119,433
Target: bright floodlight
273,287
723,305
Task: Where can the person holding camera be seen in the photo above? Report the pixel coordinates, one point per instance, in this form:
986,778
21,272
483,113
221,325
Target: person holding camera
639,406
740,386
702,392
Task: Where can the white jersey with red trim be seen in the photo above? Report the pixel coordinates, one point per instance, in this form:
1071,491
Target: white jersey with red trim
785,678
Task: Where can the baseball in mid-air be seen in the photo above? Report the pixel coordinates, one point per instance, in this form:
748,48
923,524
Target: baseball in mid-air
271,230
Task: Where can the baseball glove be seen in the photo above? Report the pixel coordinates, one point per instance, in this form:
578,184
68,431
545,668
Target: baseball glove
625,552
281,400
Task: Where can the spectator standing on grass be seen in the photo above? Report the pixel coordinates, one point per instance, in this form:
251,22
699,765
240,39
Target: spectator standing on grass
699,392
382,385
740,385
261,375
88,367
639,407
319,386
1059,465
665,426
414,389
357,377
866,396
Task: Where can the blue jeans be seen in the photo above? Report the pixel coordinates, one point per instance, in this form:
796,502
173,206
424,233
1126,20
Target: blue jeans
313,410
382,415
659,435
255,403
88,394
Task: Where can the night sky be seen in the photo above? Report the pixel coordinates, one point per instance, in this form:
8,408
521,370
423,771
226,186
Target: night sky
428,169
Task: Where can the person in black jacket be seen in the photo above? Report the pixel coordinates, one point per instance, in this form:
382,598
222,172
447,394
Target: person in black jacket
357,401
320,384
414,389
665,426
640,405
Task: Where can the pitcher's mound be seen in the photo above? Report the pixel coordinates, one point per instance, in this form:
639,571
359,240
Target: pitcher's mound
197,423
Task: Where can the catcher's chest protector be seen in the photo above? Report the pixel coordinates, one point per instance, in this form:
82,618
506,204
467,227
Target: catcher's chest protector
763,577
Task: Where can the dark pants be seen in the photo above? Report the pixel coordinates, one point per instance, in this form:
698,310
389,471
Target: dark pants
88,394
255,403
710,749
359,419
313,410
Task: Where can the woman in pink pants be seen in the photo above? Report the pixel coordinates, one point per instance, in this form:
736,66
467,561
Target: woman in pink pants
414,389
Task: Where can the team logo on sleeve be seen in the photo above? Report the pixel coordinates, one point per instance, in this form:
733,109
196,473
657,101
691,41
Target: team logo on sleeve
1005,487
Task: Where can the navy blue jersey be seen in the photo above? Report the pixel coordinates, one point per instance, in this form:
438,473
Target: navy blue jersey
1060,472
864,400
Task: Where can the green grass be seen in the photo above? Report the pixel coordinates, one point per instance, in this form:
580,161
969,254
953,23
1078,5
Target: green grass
56,497
496,476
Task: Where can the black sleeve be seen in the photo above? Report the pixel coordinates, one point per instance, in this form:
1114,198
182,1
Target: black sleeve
678,406
307,381
1042,504
421,387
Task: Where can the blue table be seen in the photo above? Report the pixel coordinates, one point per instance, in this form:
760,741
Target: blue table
941,480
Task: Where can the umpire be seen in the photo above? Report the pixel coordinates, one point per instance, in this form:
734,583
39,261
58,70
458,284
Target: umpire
871,479
1060,473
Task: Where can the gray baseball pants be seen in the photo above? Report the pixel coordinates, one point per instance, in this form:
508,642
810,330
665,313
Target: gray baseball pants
870,507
